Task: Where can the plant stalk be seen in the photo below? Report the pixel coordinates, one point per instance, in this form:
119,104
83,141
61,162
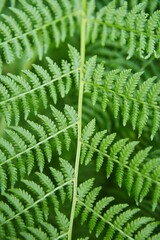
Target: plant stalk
80,101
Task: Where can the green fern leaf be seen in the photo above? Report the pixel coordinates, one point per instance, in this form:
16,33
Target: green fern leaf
83,189
132,29
30,24
127,171
87,133
89,201
97,79
62,221
138,103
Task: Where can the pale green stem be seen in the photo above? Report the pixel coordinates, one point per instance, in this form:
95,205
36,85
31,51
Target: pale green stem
80,100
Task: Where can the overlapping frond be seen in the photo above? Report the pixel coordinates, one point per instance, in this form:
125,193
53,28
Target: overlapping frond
139,174
150,5
17,207
22,150
110,221
33,27
134,29
138,102
35,87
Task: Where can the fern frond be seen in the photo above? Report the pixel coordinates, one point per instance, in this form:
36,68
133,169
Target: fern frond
21,203
40,233
87,133
62,221
116,221
34,86
94,144
97,79
89,70
51,129
90,199
62,123
138,175
100,205
83,189
124,92
75,61
63,85
59,179
134,29
149,4
24,147
37,233
52,231
90,10
34,26
66,173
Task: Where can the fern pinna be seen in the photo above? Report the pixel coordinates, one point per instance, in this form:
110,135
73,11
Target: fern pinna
79,120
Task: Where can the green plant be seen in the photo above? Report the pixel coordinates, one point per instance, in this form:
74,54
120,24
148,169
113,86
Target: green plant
79,131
